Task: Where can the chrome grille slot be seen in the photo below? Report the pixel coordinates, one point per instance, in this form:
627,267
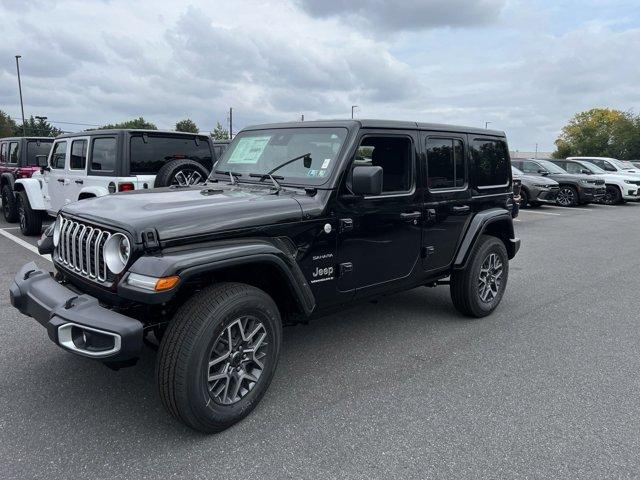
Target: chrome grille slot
81,249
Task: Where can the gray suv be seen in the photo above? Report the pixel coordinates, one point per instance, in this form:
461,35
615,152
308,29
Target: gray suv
535,190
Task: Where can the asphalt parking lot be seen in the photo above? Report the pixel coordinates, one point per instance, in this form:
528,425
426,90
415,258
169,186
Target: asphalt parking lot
546,387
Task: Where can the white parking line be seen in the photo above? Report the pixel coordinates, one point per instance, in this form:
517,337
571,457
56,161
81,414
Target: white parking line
570,208
24,244
541,213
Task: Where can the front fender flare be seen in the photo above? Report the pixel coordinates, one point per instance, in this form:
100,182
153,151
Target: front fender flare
95,191
479,225
7,179
211,258
33,189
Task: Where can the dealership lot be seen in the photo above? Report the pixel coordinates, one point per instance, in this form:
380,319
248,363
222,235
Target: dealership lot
545,387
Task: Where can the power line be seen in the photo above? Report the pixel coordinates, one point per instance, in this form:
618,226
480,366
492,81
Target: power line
67,123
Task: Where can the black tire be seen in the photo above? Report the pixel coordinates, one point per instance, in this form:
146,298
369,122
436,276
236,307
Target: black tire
9,207
191,339
193,173
466,285
568,196
613,196
30,220
524,198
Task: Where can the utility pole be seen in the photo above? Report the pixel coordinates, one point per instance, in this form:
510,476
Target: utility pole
302,117
353,107
231,123
42,120
24,127
486,125
536,156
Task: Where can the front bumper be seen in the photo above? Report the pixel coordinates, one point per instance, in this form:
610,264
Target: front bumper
547,195
75,321
592,194
631,193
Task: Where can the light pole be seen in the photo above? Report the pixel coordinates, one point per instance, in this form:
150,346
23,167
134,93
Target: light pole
24,128
353,107
486,125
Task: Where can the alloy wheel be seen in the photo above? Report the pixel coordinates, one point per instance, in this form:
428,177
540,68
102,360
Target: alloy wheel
490,278
566,197
237,360
186,177
22,215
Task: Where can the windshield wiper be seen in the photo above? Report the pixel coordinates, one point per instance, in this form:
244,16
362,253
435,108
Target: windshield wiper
307,163
232,175
262,176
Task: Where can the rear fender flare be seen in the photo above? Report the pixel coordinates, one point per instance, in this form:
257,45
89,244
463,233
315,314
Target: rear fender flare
494,220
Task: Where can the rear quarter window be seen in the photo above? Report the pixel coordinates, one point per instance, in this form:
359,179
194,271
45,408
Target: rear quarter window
148,155
490,159
36,148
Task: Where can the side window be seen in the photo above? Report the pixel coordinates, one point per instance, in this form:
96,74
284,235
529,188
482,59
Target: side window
394,155
608,167
78,160
491,161
14,152
103,154
445,163
530,167
58,155
571,167
3,152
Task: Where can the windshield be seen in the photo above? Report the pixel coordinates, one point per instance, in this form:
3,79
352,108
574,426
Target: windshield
550,167
621,164
258,152
594,168
515,171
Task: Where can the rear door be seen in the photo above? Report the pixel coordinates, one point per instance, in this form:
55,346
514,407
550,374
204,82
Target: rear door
447,202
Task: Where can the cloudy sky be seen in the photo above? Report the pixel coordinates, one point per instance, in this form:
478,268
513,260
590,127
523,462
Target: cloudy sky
526,66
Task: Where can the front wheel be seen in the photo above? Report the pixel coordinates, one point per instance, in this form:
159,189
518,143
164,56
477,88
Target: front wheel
477,290
613,195
524,198
218,356
30,219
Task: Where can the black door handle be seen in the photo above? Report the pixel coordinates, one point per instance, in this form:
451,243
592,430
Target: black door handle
409,217
461,209
61,180
79,182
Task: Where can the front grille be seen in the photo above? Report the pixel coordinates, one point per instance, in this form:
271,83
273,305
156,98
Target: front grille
634,182
596,182
81,248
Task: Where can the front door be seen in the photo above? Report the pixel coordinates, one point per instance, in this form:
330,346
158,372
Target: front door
379,236
448,206
76,169
56,178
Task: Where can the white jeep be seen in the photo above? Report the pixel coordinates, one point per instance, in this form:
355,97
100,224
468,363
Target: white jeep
100,162
622,185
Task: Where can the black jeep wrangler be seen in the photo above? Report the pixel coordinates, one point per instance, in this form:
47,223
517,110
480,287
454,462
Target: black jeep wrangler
297,220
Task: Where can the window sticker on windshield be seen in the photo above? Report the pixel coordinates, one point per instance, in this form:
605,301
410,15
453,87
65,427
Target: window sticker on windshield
312,173
248,150
326,163
322,173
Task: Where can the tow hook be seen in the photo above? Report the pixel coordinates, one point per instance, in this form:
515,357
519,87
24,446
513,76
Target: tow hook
69,303
28,274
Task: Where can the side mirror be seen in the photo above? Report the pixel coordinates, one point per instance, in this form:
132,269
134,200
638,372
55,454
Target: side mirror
543,172
586,171
366,180
42,161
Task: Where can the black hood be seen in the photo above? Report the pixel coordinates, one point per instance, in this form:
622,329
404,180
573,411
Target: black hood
569,177
185,212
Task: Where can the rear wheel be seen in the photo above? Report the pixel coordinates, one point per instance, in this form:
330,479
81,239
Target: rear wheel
613,195
477,290
567,196
30,220
9,207
218,356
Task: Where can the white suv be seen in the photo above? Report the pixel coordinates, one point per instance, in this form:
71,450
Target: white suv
100,162
621,186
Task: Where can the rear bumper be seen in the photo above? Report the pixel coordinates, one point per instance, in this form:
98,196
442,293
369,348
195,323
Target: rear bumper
75,322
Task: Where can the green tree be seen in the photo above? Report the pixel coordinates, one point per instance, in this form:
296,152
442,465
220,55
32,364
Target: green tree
187,125
220,133
602,132
37,128
7,125
140,123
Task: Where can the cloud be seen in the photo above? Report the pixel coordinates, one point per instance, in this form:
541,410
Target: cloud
412,15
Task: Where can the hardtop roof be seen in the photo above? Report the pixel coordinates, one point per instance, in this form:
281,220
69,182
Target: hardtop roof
4,139
115,131
381,124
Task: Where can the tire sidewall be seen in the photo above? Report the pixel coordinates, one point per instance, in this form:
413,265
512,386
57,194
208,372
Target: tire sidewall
204,407
165,176
491,245
524,200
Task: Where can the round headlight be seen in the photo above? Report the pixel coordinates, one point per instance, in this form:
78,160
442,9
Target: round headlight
117,252
56,231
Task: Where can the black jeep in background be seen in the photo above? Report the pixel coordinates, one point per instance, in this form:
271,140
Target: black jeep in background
297,220
18,159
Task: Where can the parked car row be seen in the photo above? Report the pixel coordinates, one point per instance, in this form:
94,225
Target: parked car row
41,175
576,181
